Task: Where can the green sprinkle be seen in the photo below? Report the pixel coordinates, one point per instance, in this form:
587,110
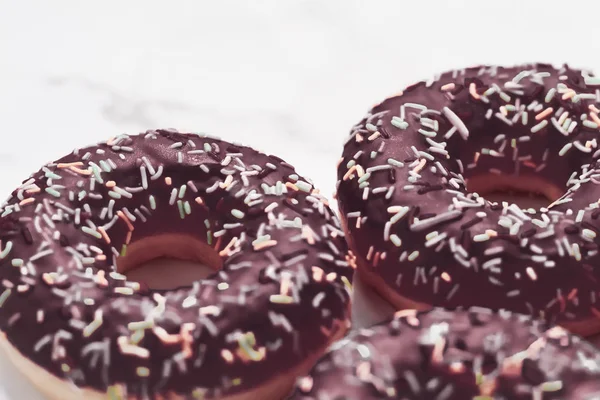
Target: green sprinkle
552,386
123,250
114,392
142,372
223,286
182,190
364,178
479,381
564,149
152,202
209,237
237,213
207,147
96,171
51,175
590,124
4,296
187,207
92,232
53,192
399,123
17,262
180,207
305,187
539,127
207,223
134,326
137,336
549,95
65,368
114,195
104,165
199,394
350,164
281,299
396,240
347,284
7,249
592,80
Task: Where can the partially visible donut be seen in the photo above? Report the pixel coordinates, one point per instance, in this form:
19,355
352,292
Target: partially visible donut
443,355
76,325
412,177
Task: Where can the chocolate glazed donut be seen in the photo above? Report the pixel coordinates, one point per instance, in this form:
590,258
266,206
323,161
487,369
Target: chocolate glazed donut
442,355
73,322
412,177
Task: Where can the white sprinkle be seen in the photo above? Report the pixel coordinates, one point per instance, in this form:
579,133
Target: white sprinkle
456,122
429,222
413,256
565,148
237,213
481,237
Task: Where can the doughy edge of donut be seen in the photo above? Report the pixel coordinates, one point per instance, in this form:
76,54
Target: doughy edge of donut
586,327
54,388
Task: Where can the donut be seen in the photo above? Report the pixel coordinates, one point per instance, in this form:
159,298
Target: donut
72,321
456,355
415,170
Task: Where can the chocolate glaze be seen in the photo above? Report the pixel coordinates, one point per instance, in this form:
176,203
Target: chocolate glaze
279,296
410,216
459,355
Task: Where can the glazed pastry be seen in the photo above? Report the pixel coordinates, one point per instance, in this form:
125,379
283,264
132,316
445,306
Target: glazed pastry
442,355
72,321
414,175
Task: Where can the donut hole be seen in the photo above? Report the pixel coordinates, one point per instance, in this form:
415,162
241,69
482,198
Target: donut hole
168,261
524,191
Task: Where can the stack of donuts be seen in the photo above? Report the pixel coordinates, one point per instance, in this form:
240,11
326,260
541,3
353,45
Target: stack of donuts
493,299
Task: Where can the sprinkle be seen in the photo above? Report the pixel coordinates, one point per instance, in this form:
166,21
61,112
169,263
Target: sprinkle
4,296
456,122
544,114
281,299
6,250
399,123
91,232
152,201
539,127
564,149
550,95
592,80
448,87
438,219
531,273
413,256
53,192
17,262
237,213
94,325
481,237
395,163
552,386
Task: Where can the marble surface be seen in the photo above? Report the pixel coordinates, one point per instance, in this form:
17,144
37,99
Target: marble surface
288,77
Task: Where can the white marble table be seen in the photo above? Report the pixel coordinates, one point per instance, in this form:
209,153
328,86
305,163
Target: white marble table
288,77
